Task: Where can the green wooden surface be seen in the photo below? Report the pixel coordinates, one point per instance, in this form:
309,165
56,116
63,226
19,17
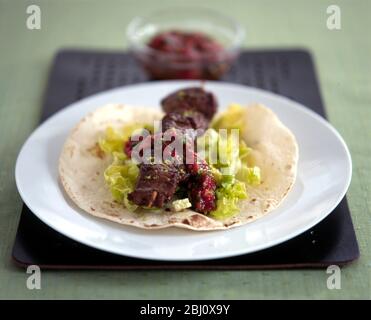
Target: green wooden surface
343,60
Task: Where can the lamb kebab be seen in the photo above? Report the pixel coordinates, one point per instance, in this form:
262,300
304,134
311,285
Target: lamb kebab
188,112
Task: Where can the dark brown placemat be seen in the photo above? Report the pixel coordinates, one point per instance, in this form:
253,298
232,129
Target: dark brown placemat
76,74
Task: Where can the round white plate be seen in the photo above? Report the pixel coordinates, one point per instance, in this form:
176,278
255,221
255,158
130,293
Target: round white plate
324,173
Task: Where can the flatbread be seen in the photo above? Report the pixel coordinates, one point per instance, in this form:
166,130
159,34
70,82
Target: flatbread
82,164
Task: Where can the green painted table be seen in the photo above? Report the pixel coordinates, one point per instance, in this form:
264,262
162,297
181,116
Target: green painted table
343,59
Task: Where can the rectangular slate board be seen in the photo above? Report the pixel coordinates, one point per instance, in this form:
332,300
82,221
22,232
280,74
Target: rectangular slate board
76,74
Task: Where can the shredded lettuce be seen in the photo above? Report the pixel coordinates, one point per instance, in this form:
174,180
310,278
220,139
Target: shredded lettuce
218,176
122,174
230,167
112,142
220,150
114,138
121,177
232,118
249,175
228,195
227,157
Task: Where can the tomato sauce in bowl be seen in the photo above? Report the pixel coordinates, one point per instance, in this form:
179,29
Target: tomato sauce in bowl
168,48
185,55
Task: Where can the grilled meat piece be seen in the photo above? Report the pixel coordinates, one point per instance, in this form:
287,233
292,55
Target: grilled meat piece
175,120
185,121
198,120
191,99
157,184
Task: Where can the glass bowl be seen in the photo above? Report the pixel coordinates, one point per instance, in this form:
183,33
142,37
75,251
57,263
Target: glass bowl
169,65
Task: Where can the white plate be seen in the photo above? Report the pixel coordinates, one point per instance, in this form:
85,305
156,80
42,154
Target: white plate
324,173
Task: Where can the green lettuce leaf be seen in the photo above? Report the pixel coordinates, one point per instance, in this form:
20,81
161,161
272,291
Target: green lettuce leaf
249,175
228,196
221,151
121,177
115,138
232,118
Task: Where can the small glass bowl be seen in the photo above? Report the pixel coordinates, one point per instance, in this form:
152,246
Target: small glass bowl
161,65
